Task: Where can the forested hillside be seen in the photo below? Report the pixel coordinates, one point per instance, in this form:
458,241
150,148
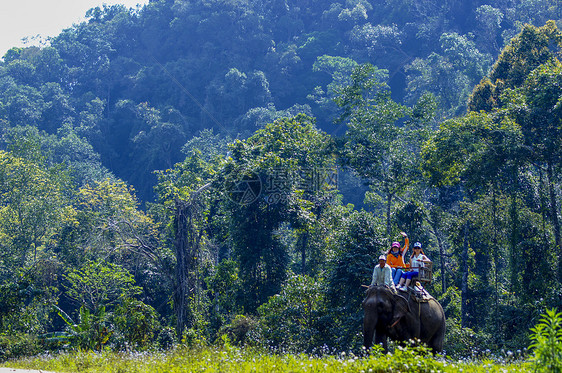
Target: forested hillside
185,171
136,85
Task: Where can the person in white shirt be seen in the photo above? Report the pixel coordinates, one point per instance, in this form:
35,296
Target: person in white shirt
417,261
382,274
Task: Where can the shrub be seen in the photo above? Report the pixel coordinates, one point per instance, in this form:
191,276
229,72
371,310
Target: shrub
546,343
463,342
239,329
21,345
166,338
289,320
136,322
92,331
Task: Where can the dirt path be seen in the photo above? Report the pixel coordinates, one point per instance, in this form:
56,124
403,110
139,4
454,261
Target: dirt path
12,370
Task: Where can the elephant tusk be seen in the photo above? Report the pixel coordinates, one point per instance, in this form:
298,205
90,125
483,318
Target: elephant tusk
396,322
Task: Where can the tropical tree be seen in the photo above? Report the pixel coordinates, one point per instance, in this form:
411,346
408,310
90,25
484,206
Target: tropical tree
523,82
186,194
532,47
34,205
450,74
279,176
98,284
478,153
382,138
536,107
356,244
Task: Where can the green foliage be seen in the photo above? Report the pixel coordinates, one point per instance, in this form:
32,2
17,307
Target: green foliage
450,74
241,331
472,150
99,284
33,205
137,323
340,70
547,342
201,65
132,324
288,160
531,48
378,146
166,338
357,244
463,342
107,225
225,286
541,111
128,88
20,346
92,331
289,321
367,87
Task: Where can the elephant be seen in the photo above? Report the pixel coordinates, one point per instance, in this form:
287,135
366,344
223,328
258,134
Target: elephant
401,317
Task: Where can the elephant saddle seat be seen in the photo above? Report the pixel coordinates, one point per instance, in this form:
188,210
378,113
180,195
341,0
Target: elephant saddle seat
419,294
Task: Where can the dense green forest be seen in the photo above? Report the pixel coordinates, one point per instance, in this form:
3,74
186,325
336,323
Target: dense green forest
200,170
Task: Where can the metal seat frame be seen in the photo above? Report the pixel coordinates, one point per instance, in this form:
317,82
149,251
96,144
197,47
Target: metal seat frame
425,275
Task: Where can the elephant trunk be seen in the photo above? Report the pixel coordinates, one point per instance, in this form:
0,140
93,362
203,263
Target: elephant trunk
369,325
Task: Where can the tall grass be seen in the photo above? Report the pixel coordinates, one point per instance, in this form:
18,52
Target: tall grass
234,359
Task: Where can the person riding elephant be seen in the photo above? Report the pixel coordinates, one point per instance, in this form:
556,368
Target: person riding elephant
390,315
382,274
418,261
395,257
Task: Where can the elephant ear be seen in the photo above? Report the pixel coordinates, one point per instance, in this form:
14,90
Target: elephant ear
401,308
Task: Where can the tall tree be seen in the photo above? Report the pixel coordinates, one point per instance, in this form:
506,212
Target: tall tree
184,193
380,144
34,204
475,152
278,176
536,107
531,48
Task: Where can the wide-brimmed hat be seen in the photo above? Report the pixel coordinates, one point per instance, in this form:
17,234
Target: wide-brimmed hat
396,244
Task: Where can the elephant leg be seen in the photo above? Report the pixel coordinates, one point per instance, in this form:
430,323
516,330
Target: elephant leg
434,326
436,342
381,340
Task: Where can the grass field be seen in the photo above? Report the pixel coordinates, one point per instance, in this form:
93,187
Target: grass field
233,359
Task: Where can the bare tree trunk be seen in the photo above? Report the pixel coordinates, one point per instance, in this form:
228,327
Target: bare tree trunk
187,247
303,252
515,233
495,260
388,208
464,286
442,262
433,220
554,216
183,246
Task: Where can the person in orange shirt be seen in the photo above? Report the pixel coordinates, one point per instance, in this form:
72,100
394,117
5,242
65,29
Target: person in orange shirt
395,258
